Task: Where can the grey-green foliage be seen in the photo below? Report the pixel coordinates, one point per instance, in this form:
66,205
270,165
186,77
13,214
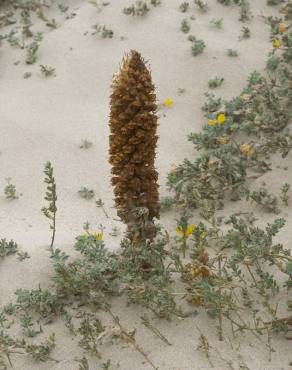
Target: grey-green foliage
245,33
232,53
198,46
140,8
86,193
265,198
47,71
275,2
7,247
90,330
31,53
50,210
215,82
185,26
166,203
10,189
284,194
216,23
39,352
155,2
201,5
184,6
103,31
245,12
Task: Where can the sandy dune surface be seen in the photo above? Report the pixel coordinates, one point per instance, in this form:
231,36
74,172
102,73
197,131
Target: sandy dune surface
46,119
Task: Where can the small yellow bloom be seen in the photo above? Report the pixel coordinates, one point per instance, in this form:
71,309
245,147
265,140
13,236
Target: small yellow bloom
246,149
277,43
98,236
282,27
221,118
222,140
185,234
190,229
168,102
203,235
212,122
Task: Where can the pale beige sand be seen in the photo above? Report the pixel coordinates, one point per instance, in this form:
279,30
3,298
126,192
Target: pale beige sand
46,119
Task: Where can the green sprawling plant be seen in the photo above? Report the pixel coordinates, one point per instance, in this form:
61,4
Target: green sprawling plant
232,268
51,197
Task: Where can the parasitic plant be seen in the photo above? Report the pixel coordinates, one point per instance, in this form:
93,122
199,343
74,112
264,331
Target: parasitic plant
133,125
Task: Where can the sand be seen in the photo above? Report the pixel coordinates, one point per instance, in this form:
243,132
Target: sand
46,119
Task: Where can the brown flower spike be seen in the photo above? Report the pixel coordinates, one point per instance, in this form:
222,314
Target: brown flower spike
133,125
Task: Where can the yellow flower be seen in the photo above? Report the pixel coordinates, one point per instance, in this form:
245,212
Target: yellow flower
185,234
246,149
277,43
222,140
212,122
282,27
98,236
221,118
168,102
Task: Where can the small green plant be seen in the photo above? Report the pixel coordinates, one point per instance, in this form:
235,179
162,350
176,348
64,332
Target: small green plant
31,53
103,31
47,71
51,196
232,53
166,203
198,46
21,256
155,2
184,6
216,23
245,12
28,326
245,33
7,247
185,26
265,198
100,204
52,24
140,8
85,144
90,330
27,75
10,189
42,352
83,363
284,194
86,193
275,2
215,82
201,5
225,2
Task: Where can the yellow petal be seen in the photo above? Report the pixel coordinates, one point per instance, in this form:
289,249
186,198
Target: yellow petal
211,122
179,231
98,236
282,27
190,230
168,102
277,43
221,118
